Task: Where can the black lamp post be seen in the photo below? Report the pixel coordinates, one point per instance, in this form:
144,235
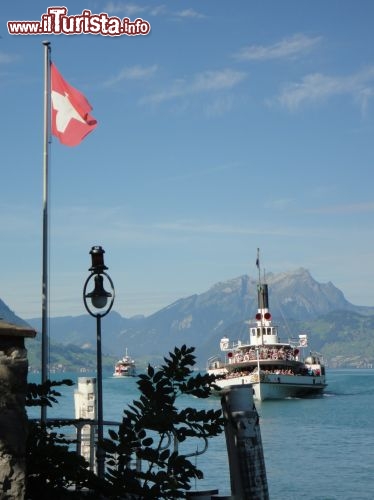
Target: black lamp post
101,304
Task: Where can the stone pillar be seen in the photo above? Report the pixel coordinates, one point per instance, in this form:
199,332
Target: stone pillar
13,417
244,445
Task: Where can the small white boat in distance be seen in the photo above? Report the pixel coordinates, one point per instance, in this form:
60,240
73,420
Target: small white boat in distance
125,367
275,369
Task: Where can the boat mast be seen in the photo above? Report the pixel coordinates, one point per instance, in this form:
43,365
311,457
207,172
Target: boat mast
258,266
260,295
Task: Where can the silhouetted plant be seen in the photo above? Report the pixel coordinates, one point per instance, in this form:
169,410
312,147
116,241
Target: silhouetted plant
144,437
53,470
149,423
44,394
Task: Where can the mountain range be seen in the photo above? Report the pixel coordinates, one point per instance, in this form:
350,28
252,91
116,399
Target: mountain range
341,331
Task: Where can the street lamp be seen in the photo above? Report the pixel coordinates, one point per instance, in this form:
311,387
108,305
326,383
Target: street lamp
98,303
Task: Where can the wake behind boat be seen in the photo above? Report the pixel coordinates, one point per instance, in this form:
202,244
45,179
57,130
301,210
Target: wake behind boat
276,370
125,367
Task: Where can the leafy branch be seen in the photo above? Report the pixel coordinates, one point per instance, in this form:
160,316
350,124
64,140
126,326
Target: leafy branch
152,419
141,462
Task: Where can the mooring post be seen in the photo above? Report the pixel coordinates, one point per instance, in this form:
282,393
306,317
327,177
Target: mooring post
244,444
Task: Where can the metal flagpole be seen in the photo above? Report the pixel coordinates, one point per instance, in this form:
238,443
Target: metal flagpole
45,309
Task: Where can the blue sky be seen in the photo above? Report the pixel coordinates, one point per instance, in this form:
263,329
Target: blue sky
231,126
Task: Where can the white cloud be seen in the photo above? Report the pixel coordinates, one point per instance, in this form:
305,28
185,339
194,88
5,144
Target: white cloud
318,87
216,80
363,97
127,9
208,81
157,10
279,204
190,14
352,208
132,9
294,46
132,73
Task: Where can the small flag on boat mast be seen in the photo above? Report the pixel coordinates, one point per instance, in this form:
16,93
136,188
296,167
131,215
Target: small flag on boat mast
258,265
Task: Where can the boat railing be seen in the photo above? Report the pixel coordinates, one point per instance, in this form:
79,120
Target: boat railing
293,341
214,362
212,359
318,354
239,343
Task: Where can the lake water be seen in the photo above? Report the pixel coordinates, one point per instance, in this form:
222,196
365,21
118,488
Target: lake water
316,449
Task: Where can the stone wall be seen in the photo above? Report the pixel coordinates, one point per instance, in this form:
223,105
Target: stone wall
13,417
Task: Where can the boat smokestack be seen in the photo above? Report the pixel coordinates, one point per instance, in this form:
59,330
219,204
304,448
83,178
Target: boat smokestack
263,297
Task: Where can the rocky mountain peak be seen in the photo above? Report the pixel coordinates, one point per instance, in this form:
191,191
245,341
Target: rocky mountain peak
201,319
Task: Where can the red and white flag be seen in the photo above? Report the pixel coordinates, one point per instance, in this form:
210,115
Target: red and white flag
71,119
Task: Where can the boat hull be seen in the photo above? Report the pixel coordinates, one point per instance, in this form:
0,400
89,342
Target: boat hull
125,372
125,367
278,387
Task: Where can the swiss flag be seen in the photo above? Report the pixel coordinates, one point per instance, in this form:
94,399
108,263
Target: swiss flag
71,119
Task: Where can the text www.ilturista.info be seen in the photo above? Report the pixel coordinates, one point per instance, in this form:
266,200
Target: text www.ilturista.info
56,22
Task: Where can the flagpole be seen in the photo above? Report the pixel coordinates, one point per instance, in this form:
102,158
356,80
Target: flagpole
45,256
